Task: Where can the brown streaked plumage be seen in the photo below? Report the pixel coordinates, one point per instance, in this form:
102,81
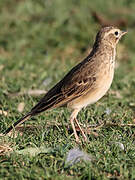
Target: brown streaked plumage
86,83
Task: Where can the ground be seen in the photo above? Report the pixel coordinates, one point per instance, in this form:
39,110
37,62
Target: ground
40,41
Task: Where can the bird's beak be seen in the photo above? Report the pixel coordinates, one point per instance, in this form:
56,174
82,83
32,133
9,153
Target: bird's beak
123,32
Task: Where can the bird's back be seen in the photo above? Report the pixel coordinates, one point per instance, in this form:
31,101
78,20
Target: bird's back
68,88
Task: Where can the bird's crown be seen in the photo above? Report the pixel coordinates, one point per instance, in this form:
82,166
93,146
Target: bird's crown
110,35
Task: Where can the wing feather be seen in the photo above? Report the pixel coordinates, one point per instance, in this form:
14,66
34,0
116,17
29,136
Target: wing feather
75,84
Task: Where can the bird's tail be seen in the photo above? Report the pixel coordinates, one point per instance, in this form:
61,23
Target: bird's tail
20,121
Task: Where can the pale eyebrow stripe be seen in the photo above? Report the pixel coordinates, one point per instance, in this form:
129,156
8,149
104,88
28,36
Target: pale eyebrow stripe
113,30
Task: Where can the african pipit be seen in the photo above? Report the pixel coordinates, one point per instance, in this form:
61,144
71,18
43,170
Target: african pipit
84,84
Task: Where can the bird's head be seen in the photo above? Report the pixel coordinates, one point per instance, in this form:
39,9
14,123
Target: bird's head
109,35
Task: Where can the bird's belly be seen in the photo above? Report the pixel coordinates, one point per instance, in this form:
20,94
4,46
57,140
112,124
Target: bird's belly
94,94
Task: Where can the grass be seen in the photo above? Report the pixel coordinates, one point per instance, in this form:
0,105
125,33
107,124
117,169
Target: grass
40,41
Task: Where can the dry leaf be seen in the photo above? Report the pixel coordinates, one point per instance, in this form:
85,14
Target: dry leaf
14,134
133,120
5,113
35,92
20,107
132,104
5,148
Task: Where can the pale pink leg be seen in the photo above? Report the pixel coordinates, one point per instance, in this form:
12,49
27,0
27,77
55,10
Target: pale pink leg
73,127
72,119
83,134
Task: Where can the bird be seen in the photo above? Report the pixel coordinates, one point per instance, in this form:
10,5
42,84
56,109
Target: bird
85,83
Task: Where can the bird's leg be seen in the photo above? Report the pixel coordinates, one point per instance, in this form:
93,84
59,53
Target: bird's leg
72,118
83,134
75,133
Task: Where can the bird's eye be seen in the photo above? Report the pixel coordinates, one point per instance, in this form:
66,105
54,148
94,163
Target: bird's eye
116,33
